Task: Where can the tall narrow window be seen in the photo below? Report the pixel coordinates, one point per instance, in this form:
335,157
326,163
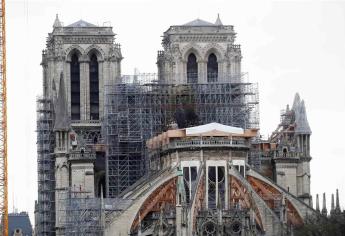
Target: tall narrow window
212,68
216,186
75,88
189,174
192,69
94,91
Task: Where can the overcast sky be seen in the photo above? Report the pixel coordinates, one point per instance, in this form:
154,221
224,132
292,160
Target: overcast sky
287,47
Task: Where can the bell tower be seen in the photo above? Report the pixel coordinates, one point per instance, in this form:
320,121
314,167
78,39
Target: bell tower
79,61
89,59
199,52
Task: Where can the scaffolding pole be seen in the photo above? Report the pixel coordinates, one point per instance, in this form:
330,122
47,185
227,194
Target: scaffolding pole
137,109
45,211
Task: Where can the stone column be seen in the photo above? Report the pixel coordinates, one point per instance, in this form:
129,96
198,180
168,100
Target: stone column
84,90
101,82
50,74
232,68
222,71
227,186
202,71
61,184
67,76
183,75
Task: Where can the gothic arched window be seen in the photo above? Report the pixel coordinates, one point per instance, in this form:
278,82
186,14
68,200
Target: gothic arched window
75,88
212,68
94,88
192,69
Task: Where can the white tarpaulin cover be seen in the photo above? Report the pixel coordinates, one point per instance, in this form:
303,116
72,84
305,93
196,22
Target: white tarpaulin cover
213,127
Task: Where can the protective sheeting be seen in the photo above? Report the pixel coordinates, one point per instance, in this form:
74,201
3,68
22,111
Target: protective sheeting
213,127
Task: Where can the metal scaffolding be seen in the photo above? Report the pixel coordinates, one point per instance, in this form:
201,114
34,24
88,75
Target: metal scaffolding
45,166
88,216
140,107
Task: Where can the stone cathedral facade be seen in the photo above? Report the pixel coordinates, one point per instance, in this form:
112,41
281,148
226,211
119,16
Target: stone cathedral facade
79,60
206,169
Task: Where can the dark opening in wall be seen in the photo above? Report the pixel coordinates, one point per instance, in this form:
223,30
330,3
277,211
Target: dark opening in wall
212,68
94,88
192,69
75,88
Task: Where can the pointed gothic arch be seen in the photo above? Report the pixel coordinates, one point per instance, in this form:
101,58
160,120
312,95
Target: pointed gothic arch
192,69
95,50
75,84
94,86
212,68
74,49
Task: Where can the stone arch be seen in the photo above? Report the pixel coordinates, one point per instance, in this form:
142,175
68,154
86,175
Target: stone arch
97,50
163,194
192,48
72,50
215,49
140,196
239,188
296,216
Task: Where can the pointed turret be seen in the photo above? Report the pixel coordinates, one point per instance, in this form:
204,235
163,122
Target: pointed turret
57,22
324,209
296,101
218,21
317,207
302,124
332,205
337,209
62,121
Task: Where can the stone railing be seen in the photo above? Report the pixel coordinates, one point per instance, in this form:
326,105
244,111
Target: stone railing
85,122
289,154
206,143
82,156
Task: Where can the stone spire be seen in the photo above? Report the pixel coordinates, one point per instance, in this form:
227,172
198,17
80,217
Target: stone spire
62,121
332,205
324,209
218,21
301,120
57,22
337,205
317,208
296,101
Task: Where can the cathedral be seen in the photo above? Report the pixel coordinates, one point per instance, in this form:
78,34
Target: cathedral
177,152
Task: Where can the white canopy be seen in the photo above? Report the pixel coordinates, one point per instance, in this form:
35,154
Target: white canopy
213,127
